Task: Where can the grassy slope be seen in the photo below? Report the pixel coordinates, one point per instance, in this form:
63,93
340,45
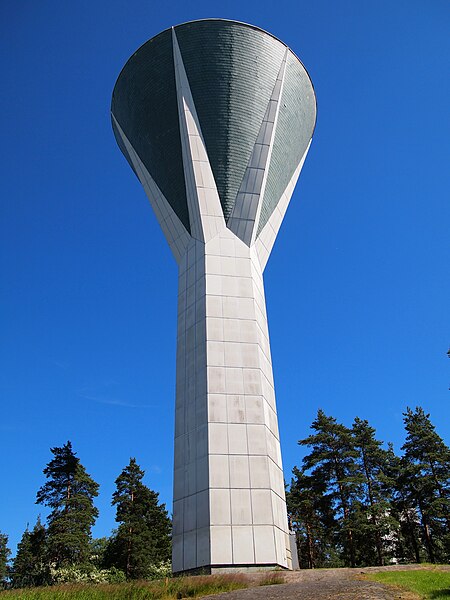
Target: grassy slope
430,583
180,587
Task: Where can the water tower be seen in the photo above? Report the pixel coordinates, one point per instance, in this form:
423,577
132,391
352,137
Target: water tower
215,118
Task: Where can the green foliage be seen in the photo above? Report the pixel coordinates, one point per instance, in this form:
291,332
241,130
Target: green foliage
355,503
4,558
69,492
332,464
408,544
97,549
30,566
142,539
375,522
428,583
351,503
160,570
426,464
312,518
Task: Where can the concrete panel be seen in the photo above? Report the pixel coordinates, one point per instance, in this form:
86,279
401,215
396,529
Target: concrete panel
259,472
243,547
190,550
190,513
202,507
237,436
217,408
239,471
221,548
203,547
265,551
257,437
177,553
219,506
218,438
241,508
218,469
262,507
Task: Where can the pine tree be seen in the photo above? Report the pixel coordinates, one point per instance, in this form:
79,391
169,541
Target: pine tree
69,492
30,566
311,516
377,521
4,558
409,548
143,536
427,465
332,463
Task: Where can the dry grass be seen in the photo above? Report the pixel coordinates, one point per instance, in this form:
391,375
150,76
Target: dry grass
164,589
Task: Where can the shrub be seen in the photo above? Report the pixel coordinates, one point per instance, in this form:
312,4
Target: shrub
160,570
85,574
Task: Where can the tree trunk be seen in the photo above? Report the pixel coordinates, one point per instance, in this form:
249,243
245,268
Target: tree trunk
129,544
442,496
413,537
378,542
427,534
310,547
68,492
428,540
128,569
351,546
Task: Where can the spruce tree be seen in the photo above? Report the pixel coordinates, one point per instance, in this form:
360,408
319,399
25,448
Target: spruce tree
23,562
69,492
427,465
332,463
4,558
30,567
143,536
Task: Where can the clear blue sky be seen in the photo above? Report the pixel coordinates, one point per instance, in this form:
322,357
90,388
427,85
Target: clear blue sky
357,285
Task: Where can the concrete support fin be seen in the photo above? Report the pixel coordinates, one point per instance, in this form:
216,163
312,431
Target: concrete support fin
244,218
173,229
205,211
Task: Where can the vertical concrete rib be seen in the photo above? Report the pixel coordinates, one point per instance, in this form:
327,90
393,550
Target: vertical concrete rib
266,239
205,212
174,231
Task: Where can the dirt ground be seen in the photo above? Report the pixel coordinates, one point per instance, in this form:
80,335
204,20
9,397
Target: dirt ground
325,584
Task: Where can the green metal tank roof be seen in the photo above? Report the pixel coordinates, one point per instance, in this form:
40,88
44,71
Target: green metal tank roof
231,68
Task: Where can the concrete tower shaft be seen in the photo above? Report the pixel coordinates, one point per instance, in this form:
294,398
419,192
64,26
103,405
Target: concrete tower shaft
215,118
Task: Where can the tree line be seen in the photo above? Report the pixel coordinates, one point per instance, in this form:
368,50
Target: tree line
63,549
353,502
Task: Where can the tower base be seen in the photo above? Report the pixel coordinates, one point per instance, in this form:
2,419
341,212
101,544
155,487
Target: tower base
229,569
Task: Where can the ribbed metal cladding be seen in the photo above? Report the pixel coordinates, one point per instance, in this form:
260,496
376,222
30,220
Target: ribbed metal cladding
294,130
232,69
145,105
